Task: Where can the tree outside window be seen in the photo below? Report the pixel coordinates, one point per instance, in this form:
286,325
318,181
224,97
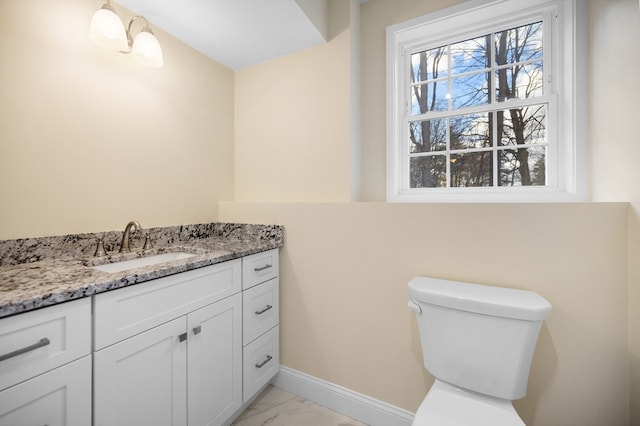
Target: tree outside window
477,116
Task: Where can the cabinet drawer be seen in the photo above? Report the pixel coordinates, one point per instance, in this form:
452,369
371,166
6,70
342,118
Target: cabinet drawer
260,310
131,310
60,397
258,268
38,341
261,361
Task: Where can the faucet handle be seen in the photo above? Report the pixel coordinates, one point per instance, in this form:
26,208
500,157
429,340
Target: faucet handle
147,243
100,251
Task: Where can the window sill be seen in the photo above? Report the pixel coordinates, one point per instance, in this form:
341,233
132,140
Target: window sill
483,195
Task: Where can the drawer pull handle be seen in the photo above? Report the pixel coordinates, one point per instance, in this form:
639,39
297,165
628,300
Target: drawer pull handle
43,342
262,268
182,337
197,330
262,364
263,310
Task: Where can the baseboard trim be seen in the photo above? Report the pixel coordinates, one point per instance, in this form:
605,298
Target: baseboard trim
344,401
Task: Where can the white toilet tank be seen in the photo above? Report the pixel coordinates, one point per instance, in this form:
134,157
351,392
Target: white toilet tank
478,337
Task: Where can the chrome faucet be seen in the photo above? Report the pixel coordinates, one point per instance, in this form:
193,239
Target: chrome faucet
124,245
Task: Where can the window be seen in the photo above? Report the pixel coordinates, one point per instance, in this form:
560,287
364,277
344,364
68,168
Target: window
484,104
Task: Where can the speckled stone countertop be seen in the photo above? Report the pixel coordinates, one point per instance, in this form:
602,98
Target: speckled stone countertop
39,272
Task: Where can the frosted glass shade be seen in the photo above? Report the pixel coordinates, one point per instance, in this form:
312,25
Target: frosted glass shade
146,50
107,29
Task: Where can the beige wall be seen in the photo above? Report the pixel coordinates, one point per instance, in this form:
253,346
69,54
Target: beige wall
346,265
344,273
289,146
615,146
634,314
90,140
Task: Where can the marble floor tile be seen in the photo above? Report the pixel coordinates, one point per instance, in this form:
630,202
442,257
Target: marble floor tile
275,407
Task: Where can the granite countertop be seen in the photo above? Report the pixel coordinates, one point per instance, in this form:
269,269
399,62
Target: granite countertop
40,272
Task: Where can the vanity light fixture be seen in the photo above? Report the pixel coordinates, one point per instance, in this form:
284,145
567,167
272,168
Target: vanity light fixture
107,30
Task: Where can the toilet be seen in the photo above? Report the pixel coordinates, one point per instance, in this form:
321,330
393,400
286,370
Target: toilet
477,342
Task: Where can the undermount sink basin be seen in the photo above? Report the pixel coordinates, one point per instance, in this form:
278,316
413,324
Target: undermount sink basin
143,261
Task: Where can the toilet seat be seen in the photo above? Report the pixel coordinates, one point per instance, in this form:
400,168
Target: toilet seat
447,405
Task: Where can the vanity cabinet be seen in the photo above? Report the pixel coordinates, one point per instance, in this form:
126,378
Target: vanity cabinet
45,366
169,350
260,299
186,349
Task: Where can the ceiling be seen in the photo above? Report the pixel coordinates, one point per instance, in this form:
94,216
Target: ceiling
238,33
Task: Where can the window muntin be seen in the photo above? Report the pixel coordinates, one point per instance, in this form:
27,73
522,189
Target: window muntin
488,146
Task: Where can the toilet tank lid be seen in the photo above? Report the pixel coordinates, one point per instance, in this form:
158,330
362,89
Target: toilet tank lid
479,298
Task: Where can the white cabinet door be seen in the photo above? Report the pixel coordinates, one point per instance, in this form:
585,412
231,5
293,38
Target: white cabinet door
60,397
215,362
143,380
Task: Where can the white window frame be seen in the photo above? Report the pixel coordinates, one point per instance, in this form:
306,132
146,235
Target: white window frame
565,65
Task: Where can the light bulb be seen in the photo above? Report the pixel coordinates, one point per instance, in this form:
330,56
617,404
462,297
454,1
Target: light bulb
146,49
107,29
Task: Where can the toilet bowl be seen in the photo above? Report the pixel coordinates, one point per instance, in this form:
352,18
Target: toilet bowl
447,405
478,343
